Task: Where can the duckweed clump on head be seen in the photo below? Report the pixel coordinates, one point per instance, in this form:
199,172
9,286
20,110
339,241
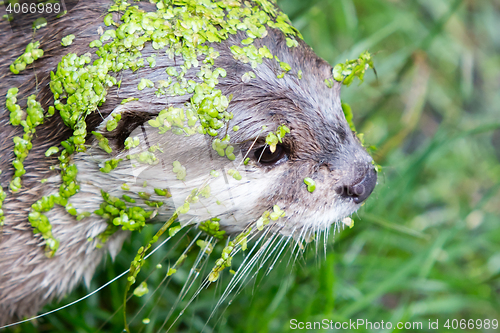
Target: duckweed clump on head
110,165
131,142
103,142
84,88
347,71
29,120
80,86
16,113
41,224
273,138
31,54
120,216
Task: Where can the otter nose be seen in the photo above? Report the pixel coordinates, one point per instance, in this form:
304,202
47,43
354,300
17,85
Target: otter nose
361,189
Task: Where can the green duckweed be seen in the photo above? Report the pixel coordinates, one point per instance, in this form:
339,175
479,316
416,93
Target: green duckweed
212,227
273,138
51,151
235,174
179,170
29,120
207,247
311,184
112,123
163,192
276,213
346,108
31,54
3,195
68,40
131,142
226,257
141,290
110,165
346,72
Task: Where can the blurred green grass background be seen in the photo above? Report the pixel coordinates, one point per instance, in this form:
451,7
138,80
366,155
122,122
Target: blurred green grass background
426,246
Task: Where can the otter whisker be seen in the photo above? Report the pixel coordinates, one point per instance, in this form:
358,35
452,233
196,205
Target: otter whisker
278,255
325,238
240,273
181,294
194,269
267,253
70,304
270,247
243,275
263,256
203,285
174,246
298,247
249,149
166,276
245,267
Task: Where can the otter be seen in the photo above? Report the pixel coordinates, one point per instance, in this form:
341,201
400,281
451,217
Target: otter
216,111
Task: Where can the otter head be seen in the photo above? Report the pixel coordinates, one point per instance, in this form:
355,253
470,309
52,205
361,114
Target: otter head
319,145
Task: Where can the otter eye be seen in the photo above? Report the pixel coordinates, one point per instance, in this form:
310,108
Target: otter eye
265,156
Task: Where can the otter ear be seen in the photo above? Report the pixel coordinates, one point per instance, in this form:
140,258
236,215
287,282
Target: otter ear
124,119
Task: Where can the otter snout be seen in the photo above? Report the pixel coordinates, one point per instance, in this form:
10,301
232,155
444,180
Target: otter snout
360,189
